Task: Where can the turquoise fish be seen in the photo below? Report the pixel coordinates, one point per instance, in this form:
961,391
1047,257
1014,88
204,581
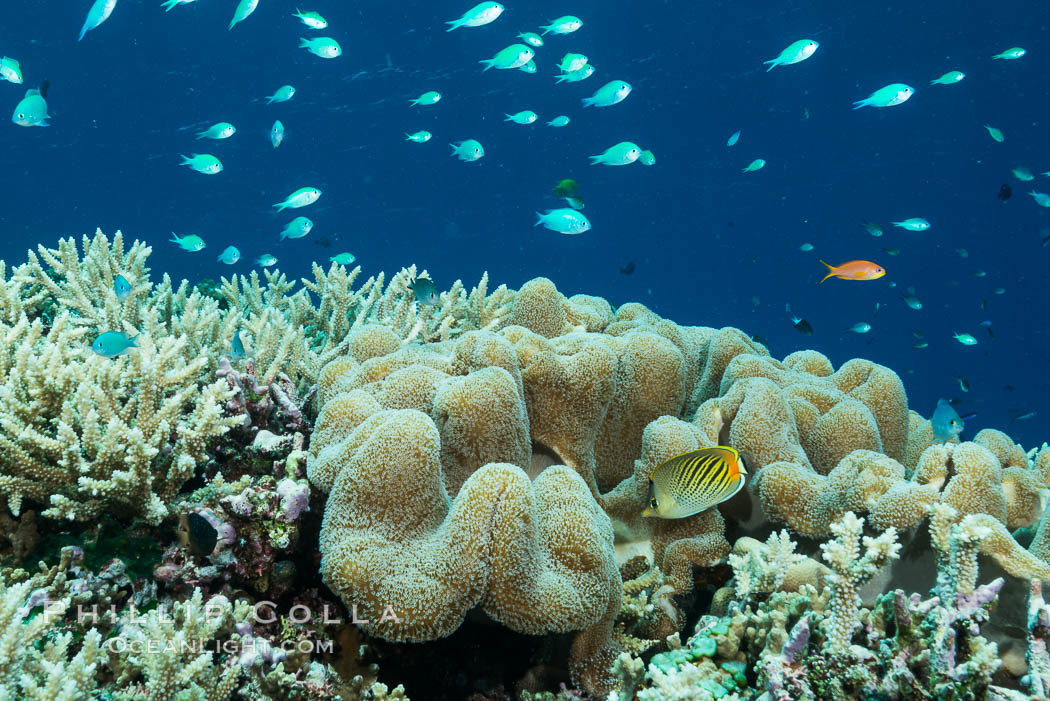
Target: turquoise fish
477,16
31,111
523,117
1016,52
949,78
324,47
237,346
99,13
419,137
531,38
202,163
430,97
469,150
229,255
311,19
283,94
121,287
190,242
302,197
945,422
563,25
611,93
343,258
576,76
276,133
564,221
621,154
113,343
560,121
10,70
796,52
297,228
244,8
514,56
888,96
220,130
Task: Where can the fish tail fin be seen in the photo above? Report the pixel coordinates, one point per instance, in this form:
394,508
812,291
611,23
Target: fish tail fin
174,237
595,160
860,103
831,272
772,64
169,4
455,24
281,206
507,117
561,78
83,31
546,29
488,63
131,341
186,160
303,42
539,219
587,101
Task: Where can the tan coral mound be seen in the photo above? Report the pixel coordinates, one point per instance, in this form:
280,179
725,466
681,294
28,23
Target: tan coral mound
482,469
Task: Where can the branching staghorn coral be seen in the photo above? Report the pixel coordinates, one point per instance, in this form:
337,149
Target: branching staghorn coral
800,645
850,569
82,434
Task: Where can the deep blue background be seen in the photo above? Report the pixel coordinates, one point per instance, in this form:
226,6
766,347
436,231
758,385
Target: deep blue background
707,240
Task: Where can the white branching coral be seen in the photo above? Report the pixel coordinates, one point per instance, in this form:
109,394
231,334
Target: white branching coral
85,434
762,570
82,434
850,570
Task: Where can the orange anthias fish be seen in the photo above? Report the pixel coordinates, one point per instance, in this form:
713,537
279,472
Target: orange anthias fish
855,270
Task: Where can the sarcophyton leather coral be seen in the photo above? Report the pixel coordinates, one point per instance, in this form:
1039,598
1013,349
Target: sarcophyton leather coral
483,471
490,469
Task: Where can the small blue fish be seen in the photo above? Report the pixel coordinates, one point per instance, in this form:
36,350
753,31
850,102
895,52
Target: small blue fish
277,133
945,422
229,256
98,14
237,347
121,287
113,343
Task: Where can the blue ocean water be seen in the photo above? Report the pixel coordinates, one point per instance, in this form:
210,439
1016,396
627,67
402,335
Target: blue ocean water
709,244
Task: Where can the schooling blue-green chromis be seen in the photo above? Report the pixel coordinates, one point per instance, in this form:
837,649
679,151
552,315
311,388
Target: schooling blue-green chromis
237,347
229,255
98,14
297,228
324,47
282,94
613,92
121,287
563,25
695,481
469,150
203,163
343,258
244,8
311,19
10,70
430,97
302,197
888,96
945,422
514,56
220,130
31,111
795,53
425,290
523,117
190,242
477,16
276,133
419,137
621,154
564,221
113,343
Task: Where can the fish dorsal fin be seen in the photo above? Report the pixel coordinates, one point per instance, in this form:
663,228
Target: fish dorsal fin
32,91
